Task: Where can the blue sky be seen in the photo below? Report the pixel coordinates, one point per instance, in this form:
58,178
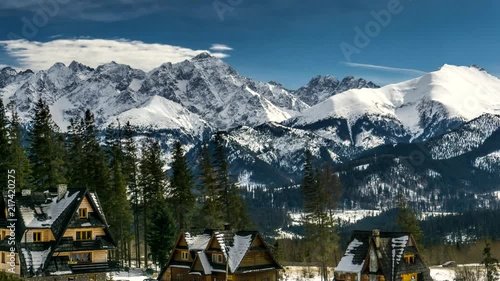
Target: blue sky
288,41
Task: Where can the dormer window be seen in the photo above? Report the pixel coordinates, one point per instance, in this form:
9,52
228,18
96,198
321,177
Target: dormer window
37,236
184,255
82,212
409,259
217,258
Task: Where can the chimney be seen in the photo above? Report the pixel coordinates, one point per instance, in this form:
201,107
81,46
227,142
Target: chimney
61,191
376,237
26,192
227,226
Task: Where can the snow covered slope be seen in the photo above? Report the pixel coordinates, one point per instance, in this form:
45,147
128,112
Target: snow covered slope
424,107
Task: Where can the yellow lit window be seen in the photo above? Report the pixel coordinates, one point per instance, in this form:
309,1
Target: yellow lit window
3,257
37,236
409,259
84,235
82,212
184,255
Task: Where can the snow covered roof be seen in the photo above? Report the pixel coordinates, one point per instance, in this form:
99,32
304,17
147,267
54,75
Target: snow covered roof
35,260
43,215
398,246
232,245
197,242
350,262
389,252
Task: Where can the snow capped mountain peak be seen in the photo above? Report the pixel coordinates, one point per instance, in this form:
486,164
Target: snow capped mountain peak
204,55
426,106
78,67
322,87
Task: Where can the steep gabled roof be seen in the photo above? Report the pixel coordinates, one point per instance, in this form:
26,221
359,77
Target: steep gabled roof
233,245
390,252
46,210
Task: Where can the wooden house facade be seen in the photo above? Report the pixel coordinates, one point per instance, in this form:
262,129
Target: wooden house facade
210,256
59,235
382,256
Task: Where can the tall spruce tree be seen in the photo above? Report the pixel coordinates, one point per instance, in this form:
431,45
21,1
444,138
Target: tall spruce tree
210,214
118,206
152,181
130,167
18,160
235,212
162,232
181,184
88,166
407,221
4,148
322,190
46,151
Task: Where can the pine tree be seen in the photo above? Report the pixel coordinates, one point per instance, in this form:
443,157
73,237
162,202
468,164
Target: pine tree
152,181
322,191
490,263
407,221
4,148
235,211
18,159
130,164
181,184
210,213
46,151
88,166
161,233
118,206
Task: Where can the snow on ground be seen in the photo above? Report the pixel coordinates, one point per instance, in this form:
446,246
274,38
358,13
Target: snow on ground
345,216
301,273
133,275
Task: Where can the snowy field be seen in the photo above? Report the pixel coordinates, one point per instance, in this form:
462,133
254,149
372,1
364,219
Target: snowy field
298,273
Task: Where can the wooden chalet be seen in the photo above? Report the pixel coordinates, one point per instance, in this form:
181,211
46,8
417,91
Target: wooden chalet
382,256
210,256
59,235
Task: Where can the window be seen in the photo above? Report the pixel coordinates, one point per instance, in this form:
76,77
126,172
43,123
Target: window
409,259
3,257
71,278
217,258
82,212
37,236
84,235
81,257
3,235
179,277
184,255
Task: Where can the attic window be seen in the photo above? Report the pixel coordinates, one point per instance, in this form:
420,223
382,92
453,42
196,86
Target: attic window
37,236
82,212
217,258
184,255
84,235
409,259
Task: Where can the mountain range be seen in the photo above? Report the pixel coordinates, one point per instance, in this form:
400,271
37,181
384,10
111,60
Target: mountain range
402,136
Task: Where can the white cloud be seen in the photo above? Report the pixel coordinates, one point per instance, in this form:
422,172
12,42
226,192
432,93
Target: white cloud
385,68
220,47
94,52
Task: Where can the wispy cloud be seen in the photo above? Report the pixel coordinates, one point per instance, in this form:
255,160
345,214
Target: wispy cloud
385,68
94,52
93,10
220,47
